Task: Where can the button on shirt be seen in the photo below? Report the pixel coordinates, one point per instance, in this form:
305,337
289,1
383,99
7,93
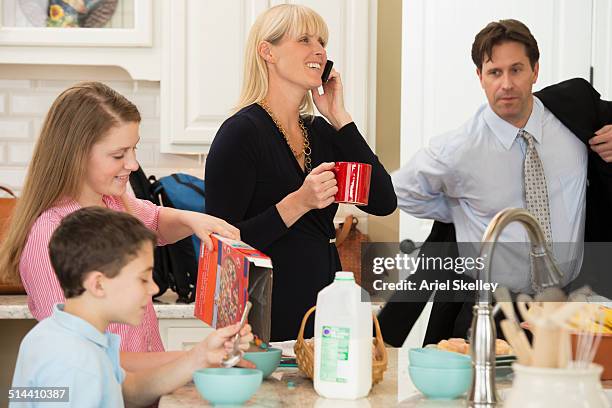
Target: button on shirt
66,351
468,175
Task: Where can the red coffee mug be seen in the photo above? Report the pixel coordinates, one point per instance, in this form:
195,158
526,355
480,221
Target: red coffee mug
353,182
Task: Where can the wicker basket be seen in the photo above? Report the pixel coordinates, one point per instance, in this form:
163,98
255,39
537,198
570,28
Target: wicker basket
304,352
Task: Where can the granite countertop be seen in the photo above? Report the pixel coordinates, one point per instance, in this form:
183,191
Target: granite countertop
396,390
275,393
16,307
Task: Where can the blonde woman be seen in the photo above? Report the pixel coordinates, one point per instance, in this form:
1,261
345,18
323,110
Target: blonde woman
269,168
83,157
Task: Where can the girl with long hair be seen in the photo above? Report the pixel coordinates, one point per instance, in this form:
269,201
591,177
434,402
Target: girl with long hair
83,157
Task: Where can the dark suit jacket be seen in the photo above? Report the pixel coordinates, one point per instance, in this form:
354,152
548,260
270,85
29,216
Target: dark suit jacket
579,107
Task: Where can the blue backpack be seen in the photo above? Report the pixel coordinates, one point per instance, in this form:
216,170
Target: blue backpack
176,265
182,191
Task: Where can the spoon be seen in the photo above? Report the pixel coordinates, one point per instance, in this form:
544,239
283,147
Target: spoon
234,357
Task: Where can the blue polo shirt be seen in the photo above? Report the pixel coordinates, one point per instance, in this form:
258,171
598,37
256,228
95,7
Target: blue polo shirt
66,351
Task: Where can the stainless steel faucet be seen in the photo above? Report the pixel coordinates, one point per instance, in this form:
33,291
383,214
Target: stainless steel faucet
482,393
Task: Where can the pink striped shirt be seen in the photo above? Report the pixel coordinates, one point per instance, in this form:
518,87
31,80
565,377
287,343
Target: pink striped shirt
43,288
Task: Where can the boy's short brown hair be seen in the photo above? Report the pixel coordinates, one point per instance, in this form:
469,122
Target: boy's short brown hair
498,32
95,239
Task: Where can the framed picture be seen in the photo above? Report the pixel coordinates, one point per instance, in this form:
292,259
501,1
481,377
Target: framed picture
80,23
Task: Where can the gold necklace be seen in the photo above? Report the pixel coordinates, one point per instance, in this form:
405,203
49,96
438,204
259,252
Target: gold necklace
306,151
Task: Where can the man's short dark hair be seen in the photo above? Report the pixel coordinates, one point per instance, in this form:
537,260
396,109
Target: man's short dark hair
95,239
499,32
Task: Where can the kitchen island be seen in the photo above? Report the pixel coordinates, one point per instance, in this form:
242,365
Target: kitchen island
275,392
396,390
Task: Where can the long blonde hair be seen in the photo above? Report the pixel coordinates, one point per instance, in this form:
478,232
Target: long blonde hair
80,117
271,26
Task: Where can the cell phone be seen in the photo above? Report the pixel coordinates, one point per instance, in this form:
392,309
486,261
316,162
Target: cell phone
327,70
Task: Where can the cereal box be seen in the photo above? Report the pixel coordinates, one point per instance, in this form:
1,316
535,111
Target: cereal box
229,275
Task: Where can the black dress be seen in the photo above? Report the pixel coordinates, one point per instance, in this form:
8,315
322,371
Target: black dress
250,168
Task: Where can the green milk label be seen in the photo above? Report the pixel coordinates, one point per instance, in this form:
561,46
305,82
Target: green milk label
335,353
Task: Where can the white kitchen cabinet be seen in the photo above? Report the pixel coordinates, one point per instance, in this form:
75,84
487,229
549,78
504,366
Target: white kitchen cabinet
440,89
178,328
203,44
135,48
182,334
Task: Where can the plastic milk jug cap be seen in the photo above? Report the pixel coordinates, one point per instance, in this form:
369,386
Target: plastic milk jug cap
346,276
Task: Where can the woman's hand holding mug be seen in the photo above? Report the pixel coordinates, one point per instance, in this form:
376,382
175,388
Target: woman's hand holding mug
319,187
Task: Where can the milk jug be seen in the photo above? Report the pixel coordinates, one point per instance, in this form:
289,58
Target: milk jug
343,340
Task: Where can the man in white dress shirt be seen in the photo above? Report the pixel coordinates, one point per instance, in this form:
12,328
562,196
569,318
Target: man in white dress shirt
468,175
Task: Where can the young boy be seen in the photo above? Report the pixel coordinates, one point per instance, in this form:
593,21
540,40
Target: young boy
104,262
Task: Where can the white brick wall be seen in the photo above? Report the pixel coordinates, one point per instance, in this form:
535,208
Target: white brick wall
24,104
15,128
18,153
29,103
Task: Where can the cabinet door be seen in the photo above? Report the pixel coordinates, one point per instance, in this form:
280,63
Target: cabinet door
182,334
203,46
440,89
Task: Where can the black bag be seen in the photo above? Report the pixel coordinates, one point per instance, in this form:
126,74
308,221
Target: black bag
176,265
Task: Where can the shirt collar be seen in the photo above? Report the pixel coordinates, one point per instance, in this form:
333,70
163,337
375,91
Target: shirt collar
110,342
80,326
506,132
70,204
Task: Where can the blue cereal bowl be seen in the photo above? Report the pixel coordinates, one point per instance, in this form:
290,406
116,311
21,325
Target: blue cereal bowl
266,361
227,386
434,358
441,383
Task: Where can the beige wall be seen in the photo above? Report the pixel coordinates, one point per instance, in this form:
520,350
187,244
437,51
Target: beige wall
12,333
388,89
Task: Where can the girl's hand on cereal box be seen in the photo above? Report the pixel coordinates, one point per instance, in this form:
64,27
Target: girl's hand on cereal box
203,225
177,224
213,349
